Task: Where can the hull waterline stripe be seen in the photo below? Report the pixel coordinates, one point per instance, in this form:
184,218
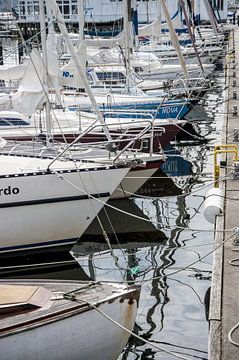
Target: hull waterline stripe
53,200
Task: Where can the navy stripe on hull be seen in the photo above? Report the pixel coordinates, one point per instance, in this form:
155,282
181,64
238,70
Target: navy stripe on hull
53,200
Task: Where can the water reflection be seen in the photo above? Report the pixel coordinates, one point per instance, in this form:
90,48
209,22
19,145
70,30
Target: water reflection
68,269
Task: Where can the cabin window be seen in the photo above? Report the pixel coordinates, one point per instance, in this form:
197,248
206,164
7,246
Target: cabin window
145,144
138,69
111,77
12,121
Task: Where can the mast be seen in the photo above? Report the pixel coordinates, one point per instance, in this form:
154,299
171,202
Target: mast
51,48
127,42
50,18
135,23
81,10
45,76
159,17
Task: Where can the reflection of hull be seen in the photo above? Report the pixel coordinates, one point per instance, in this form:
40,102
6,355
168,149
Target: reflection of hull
88,248
135,179
189,134
159,185
176,165
60,327
48,267
126,227
132,234
19,259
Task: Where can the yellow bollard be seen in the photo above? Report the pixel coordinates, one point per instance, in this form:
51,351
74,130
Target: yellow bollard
223,149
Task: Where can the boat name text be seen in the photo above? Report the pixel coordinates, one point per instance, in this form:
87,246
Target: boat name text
170,110
67,74
9,191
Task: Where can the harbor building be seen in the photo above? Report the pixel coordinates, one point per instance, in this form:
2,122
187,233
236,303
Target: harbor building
107,11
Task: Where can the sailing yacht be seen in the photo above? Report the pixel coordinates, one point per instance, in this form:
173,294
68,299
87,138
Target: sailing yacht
49,203
56,319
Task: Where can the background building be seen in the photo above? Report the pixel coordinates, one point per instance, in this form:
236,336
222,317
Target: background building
110,12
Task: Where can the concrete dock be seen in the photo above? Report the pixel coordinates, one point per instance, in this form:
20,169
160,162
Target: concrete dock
224,299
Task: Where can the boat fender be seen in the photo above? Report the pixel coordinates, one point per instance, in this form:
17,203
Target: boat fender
213,204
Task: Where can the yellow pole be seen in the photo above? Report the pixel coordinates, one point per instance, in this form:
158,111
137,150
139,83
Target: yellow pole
223,149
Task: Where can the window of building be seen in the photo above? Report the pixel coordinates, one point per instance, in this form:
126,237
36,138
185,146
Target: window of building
30,10
217,4
66,9
74,9
36,9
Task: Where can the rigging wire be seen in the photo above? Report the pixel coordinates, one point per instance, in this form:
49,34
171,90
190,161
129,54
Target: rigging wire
139,217
72,297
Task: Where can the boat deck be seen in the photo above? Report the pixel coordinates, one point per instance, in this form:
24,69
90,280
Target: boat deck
28,303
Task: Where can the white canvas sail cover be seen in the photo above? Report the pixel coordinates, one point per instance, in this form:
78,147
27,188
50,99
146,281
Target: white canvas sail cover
69,76
52,57
106,43
30,94
155,28
98,41
9,73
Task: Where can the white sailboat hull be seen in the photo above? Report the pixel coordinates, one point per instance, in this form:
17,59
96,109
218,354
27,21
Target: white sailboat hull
63,329
42,209
171,73
88,336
